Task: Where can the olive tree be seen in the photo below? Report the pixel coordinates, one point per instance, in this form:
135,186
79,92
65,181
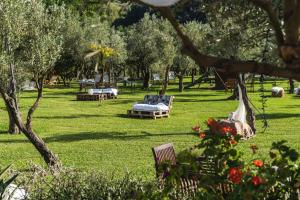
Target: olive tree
12,31
284,22
151,47
36,52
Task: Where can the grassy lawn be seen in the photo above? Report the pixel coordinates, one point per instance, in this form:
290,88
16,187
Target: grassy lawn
93,136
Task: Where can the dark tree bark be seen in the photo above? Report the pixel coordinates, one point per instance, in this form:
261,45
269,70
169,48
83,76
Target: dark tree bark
234,95
193,75
12,126
292,86
289,52
250,111
180,83
11,91
146,79
220,79
166,80
48,156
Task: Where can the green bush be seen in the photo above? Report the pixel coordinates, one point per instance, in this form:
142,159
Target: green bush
73,185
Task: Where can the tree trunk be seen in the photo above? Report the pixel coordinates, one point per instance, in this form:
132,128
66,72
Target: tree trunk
193,75
292,86
146,80
234,95
11,91
250,111
50,159
166,81
180,83
220,79
12,126
39,84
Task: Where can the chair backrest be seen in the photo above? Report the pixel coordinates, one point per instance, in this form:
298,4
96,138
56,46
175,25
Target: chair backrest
164,153
155,99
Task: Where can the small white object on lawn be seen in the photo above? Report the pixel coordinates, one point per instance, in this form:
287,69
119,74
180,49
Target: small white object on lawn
13,192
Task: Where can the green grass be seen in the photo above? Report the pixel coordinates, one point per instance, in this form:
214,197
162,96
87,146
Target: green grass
92,136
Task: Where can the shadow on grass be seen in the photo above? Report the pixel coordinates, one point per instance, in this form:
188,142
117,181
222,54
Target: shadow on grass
279,115
70,116
3,132
195,95
199,100
122,136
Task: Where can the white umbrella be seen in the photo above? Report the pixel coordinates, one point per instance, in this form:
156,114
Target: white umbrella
160,3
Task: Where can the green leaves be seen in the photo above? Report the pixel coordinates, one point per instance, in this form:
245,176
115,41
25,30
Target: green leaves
5,183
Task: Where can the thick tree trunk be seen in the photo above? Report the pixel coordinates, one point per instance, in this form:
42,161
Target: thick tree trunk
11,91
12,126
48,156
180,83
166,81
250,111
220,79
146,80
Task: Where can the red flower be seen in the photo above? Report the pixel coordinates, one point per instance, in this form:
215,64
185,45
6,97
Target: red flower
235,175
211,122
202,135
233,132
256,180
225,129
258,163
232,141
196,128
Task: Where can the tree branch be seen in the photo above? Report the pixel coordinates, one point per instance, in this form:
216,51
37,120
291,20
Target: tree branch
266,5
39,84
223,64
290,22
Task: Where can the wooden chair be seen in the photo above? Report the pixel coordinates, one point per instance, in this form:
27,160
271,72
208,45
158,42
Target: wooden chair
166,154
207,167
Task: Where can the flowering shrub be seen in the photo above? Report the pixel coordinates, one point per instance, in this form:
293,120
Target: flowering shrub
276,178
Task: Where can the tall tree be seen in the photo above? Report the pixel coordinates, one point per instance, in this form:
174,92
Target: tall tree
38,49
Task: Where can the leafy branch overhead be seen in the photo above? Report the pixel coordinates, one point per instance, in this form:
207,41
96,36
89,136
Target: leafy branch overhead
287,37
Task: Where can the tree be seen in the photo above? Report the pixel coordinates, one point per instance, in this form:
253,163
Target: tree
151,47
181,65
36,53
73,48
12,30
284,29
107,49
